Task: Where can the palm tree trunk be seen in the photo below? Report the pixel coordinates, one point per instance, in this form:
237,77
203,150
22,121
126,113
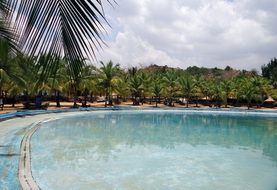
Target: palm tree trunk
106,99
14,101
75,97
2,103
248,104
2,99
58,98
91,97
27,101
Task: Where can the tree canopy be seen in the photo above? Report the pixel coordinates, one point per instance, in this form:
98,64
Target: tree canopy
270,71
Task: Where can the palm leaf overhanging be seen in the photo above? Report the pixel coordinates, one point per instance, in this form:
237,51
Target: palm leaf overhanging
69,28
6,32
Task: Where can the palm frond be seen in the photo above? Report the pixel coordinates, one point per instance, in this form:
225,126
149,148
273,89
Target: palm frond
72,28
6,31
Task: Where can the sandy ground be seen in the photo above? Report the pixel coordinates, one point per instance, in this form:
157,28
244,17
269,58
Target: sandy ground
64,105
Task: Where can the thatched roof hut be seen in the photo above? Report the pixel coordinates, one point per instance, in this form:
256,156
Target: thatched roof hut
269,100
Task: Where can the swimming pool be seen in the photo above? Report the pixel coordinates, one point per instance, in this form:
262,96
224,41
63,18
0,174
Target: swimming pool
148,149
157,150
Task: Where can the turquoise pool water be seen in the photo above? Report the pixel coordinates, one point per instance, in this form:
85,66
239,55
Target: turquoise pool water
149,150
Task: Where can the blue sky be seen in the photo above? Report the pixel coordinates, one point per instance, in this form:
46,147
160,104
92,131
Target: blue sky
182,33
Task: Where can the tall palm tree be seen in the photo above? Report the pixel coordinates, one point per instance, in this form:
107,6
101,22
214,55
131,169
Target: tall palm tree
57,79
87,84
263,87
146,80
13,90
249,90
136,88
217,92
170,81
157,88
187,85
78,75
226,86
107,74
204,87
29,77
122,89
237,91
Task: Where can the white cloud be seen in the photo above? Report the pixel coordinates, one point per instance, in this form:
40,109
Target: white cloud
239,33
130,50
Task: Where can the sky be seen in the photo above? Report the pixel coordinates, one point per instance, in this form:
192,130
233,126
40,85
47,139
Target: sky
183,33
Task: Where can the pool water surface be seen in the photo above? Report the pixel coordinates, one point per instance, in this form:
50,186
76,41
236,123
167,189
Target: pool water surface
148,150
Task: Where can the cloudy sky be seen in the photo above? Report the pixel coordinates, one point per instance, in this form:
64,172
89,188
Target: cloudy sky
182,33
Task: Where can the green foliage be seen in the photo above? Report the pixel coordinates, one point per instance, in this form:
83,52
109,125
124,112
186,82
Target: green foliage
107,73
187,85
157,87
197,71
269,71
274,94
136,85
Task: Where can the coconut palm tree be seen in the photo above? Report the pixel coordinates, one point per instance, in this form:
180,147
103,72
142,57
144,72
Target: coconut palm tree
157,88
107,73
78,75
263,87
57,79
249,90
204,87
87,83
226,87
29,77
197,92
217,92
121,88
170,81
136,88
146,80
187,85
13,90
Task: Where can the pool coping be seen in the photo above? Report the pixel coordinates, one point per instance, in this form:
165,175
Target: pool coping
25,176
11,115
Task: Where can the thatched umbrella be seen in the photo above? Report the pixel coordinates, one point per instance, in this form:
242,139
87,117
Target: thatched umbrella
269,100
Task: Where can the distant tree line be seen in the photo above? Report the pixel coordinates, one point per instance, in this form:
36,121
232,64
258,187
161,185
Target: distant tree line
24,79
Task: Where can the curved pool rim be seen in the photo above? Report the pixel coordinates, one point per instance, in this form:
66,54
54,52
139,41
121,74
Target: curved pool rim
24,113
75,113
28,172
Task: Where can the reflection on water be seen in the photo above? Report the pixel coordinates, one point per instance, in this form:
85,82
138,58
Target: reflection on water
164,150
